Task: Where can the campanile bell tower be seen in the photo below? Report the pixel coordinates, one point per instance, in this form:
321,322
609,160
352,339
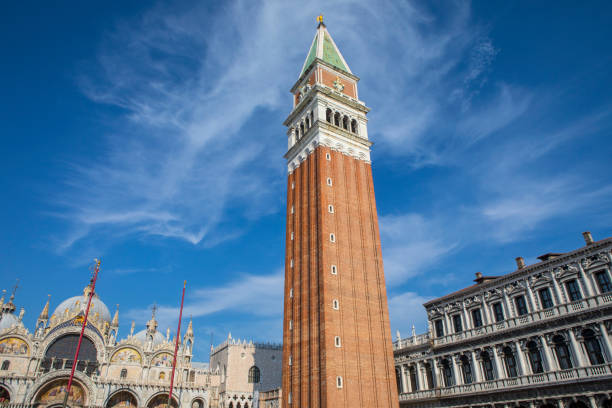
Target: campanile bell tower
337,340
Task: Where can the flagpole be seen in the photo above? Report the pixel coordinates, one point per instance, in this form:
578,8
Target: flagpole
178,336
76,355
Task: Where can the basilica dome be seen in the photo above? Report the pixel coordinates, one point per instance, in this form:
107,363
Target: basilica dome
158,338
8,320
79,303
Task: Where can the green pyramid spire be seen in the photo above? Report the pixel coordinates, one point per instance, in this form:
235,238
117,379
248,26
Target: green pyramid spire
324,48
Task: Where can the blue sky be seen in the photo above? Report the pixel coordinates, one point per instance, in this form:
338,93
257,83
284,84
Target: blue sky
151,135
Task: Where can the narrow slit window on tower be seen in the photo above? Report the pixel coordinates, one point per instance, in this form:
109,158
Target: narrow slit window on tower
334,270
339,382
329,181
337,342
290,324
332,238
291,262
336,304
290,360
292,210
292,185
328,156
289,398
331,208
292,235
291,293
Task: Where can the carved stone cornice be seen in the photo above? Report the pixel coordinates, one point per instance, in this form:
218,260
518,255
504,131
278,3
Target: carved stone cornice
600,247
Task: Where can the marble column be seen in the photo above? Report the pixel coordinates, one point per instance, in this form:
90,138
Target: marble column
417,375
466,321
508,306
486,316
592,401
557,292
499,367
456,372
606,343
524,370
531,297
551,364
588,287
435,374
576,349
447,325
476,368
403,375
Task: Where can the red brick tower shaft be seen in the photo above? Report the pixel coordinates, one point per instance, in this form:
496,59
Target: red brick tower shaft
337,340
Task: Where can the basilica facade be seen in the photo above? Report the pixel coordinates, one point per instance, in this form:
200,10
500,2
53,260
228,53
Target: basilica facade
536,337
130,372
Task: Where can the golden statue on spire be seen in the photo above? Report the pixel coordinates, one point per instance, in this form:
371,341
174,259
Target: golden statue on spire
320,19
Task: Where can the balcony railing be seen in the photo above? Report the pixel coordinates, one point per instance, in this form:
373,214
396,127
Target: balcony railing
573,374
517,321
411,341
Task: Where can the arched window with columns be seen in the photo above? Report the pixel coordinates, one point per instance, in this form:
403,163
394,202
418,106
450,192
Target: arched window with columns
535,357
337,119
593,348
345,122
466,368
328,115
510,361
447,371
562,351
398,379
487,366
354,126
413,378
429,375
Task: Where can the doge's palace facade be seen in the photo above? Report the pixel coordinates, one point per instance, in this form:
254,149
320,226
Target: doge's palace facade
536,337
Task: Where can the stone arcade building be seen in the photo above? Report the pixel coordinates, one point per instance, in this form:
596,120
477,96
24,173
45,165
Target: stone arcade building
128,373
536,337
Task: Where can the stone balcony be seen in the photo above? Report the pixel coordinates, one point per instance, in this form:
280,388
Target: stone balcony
537,316
602,371
411,341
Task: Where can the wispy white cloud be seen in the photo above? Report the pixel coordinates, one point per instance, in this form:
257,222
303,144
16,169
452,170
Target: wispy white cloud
258,297
187,152
406,310
411,243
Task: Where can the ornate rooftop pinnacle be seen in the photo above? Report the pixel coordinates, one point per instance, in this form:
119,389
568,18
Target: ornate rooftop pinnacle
9,307
189,331
152,324
115,322
44,315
